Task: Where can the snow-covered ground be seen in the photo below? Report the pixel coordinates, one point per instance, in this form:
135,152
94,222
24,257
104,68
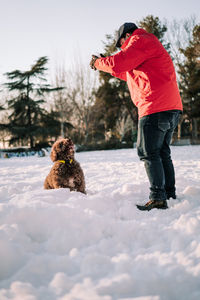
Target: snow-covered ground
64,245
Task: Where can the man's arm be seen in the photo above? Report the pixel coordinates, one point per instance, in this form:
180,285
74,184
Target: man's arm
121,76
127,59
92,66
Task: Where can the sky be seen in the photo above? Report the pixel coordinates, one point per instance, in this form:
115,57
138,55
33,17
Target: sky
63,30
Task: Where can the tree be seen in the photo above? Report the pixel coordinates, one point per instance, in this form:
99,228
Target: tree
189,73
112,98
27,117
3,126
154,25
179,36
80,93
62,102
113,101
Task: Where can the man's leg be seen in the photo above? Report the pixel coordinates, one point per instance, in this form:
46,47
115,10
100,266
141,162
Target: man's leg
168,167
166,158
149,145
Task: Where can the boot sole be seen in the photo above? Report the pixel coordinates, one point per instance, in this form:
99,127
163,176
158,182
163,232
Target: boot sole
143,208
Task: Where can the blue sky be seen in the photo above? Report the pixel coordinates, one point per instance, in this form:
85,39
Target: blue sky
62,29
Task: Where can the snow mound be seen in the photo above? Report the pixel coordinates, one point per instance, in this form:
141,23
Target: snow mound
64,245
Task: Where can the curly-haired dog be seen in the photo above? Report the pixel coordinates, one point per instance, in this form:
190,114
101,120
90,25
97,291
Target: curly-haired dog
66,171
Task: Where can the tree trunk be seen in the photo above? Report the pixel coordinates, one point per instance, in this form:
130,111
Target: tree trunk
29,115
194,128
179,133
62,129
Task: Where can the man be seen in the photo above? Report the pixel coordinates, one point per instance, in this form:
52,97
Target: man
148,69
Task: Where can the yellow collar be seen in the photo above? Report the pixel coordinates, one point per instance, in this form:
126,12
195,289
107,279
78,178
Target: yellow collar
68,161
62,161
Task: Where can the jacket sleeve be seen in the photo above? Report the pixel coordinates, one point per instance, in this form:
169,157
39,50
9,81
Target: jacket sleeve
121,76
129,58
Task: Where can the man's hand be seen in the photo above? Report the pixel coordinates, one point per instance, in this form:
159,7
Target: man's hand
92,62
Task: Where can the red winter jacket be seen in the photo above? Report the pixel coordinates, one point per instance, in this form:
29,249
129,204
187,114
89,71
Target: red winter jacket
148,69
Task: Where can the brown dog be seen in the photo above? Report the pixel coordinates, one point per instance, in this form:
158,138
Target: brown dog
66,171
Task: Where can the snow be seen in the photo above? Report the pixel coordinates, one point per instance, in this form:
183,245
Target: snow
57,244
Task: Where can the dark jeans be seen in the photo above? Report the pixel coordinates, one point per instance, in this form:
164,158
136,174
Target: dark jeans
154,135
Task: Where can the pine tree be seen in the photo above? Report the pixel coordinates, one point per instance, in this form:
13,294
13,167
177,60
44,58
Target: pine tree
112,97
2,126
27,117
189,72
154,25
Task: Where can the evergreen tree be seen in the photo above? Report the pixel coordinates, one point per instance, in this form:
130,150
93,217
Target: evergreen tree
27,118
154,25
189,72
2,126
112,97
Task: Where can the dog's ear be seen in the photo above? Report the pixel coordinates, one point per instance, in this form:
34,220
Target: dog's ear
53,154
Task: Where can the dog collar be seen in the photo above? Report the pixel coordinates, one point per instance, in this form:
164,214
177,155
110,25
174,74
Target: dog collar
68,161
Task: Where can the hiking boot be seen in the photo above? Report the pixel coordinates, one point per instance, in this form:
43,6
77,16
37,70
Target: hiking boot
160,204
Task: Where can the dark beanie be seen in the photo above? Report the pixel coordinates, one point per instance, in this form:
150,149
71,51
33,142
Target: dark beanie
123,29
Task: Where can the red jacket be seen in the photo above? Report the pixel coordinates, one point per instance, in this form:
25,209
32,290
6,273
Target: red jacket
148,69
